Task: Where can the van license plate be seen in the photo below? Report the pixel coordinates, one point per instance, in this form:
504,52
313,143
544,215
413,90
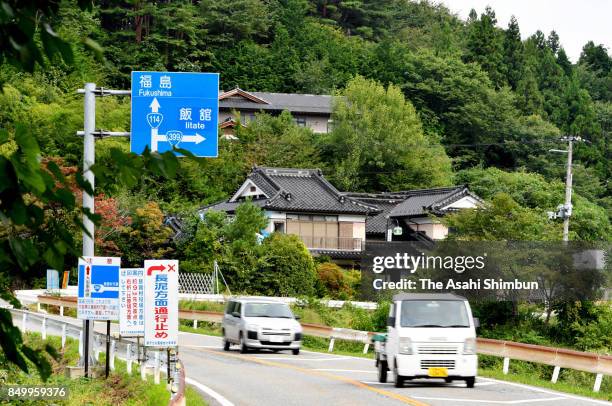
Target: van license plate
276,339
437,372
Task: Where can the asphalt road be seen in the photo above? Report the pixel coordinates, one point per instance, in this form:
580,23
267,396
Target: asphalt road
267,378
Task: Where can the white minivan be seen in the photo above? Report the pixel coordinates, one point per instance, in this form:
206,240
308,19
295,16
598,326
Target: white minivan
258,323
429,336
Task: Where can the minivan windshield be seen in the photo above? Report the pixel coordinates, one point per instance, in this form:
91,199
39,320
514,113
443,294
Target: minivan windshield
434,313
277,310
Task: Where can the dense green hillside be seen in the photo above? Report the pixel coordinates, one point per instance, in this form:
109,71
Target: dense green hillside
447,101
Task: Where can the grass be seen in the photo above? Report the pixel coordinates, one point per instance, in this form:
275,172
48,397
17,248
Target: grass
119,389
570,381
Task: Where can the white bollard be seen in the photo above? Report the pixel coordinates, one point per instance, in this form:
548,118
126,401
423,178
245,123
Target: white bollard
195,324
81,343
555,375
331,344
506,365
43,328
128,358
366,347
38,307
63,336
97,354
24,322
143,371
61,310
597,385
111,360
156,368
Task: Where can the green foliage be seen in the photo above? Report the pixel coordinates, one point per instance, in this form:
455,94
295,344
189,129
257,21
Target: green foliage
332,282
370,123
285,268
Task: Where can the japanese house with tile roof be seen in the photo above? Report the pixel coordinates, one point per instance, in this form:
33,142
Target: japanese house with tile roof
415,212
304,203
337,224
312,111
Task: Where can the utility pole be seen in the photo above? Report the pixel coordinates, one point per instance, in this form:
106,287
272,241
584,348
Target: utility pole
564,210
89,156
568,188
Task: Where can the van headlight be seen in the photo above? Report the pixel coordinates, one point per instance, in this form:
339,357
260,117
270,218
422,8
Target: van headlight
405,346
252,327
469,346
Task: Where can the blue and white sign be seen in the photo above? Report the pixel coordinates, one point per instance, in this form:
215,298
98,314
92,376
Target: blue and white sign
98,293
175,109
52,279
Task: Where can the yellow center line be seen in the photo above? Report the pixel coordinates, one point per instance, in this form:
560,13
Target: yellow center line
396,396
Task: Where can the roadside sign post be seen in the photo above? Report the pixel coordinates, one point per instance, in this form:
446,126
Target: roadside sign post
161,303
175,109
98,296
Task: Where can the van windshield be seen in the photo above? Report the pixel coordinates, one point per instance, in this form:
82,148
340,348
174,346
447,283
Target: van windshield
277,310
434,313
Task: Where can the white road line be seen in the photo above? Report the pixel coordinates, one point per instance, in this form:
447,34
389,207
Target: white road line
200,346
343,356
459,385
549,392
502,402
344,370
210,392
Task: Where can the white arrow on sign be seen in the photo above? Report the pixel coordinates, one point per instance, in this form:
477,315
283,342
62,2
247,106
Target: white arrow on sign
157,138
154,105
197,138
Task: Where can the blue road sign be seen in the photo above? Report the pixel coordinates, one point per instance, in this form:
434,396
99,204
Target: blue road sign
52,279
177,109
98,292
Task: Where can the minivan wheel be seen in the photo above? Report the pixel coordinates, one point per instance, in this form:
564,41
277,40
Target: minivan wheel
399,380
243,347
226,344
382,371
470,381
448,380
296,351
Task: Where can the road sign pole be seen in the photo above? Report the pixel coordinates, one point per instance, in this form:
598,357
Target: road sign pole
108,328
89,155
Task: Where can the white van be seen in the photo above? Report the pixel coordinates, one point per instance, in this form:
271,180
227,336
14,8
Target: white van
260,323
429,336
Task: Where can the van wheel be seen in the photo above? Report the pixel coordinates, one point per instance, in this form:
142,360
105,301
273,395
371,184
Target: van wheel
226,344
243,347
448,380
382,371
470,381
399,380
296,351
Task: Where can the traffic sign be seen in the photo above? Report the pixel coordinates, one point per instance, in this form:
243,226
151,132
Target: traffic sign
52,279
161,303
98,292
131,301
175,109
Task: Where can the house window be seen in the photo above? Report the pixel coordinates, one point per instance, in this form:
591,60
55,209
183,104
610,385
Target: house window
300,121
253,189
279,227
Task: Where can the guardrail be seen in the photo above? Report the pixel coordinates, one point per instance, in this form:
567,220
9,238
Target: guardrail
121,348
556,357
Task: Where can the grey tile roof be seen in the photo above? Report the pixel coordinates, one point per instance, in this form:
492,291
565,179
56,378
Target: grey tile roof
299,190
411,203
292,102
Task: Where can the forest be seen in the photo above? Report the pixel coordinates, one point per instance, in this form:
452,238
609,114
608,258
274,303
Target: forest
428,99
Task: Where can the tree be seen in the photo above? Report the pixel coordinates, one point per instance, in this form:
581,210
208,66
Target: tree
553,42
529,99
286,268
485,47
513,53
596,58
564,62
378,142
279,141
